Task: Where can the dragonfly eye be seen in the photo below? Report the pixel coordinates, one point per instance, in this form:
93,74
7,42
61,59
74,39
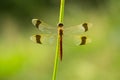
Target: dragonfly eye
60,25
85,25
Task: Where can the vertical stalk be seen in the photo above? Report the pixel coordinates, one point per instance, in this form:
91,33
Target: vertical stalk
61,17
56,61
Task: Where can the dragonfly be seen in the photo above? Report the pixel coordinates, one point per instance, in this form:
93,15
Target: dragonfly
48,34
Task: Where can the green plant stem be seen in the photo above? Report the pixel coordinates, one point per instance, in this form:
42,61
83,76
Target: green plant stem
56,61
61,17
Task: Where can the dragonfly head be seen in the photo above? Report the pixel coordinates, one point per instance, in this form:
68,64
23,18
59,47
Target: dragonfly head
60,25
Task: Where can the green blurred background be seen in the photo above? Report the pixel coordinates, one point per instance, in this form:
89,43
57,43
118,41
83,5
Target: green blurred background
21,59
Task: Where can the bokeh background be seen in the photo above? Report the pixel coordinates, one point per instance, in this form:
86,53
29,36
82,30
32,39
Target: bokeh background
21,59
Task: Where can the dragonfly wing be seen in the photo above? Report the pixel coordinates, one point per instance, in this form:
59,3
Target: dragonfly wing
78,29
43,27
43,39
75,34
76,40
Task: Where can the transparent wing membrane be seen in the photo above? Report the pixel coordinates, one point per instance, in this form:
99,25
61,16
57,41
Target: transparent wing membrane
81,40
43,27
78,29
43,39
77,40
76,34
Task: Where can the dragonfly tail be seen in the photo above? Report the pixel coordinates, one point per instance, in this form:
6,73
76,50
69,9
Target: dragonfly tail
61,49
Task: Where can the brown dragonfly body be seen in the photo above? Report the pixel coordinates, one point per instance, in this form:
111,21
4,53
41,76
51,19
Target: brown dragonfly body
60,37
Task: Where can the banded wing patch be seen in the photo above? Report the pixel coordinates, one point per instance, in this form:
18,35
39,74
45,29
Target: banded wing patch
37,39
